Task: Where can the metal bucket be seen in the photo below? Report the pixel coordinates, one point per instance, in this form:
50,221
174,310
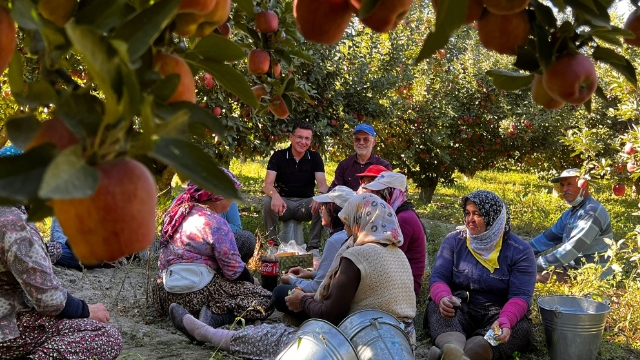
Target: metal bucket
319,340
572,326
377,334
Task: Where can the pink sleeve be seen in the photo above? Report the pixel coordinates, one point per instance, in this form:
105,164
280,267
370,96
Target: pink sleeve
512,312
438,291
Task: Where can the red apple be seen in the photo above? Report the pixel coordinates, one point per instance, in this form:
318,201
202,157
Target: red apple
216,111
541,96
619,189
474,10
334,122
276,69
208,81
633,25
504,33
259,61
386,15
505,7
278,107
631,166
571,78
324,21
267,21
629,149
259,91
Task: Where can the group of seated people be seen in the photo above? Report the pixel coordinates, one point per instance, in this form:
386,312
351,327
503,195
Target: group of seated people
482,279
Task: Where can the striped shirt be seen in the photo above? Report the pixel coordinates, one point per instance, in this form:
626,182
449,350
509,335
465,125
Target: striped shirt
580,231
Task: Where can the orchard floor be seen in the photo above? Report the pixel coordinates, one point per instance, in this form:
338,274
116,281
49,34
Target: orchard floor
145,334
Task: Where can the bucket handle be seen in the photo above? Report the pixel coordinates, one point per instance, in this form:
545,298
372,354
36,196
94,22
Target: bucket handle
374,322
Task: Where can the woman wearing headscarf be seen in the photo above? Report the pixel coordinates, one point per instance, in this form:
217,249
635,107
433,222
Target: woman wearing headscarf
369,272
493,272
200,265
392,187
39,318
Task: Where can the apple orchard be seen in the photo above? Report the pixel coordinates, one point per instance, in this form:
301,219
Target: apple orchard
145,89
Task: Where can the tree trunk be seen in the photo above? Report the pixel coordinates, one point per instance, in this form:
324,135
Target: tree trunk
427,189
164,185
3,136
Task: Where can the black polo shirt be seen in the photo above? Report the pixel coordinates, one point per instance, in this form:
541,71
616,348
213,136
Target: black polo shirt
295,178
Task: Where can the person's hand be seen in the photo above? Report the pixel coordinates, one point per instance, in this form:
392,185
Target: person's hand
98,312
300,272
315,207
446,308
285,279
278,205
506,332
293,301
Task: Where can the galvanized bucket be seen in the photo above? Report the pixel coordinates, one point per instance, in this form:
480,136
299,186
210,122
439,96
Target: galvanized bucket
377,334
319,340
572,326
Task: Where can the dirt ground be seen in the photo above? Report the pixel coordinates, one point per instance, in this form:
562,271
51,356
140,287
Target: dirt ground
146,336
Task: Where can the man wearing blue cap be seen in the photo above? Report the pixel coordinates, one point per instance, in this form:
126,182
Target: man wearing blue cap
364,138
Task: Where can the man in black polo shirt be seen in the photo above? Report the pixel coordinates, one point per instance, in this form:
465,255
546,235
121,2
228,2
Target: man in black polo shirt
292,175
364,138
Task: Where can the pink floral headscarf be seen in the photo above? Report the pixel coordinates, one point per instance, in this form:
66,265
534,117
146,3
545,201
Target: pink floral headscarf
185,202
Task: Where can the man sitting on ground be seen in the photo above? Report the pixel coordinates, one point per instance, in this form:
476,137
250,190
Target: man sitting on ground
292,175
578,235
364,138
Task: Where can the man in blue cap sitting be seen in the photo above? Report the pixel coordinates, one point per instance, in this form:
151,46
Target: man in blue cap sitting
579,236
364,138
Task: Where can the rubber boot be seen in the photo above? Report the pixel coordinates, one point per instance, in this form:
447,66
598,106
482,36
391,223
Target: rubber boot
434,353
452,345
477,348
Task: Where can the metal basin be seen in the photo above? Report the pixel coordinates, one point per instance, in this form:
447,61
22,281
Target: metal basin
319,340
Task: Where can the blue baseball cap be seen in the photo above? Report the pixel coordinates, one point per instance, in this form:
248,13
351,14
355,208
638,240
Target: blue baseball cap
365,128
10,150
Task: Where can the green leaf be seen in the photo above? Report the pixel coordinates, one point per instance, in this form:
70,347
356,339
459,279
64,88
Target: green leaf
559,4
367,7
246,6
230,79
287,101
165,87
22,129
16,77
141,30
148,125
68,176
195,164
103,15
611,39
618,62
600,93
448,19
26,15
543,46
527,59
200,117
20,176
39,93
218,48
303,55
544,15
102,61
588,105
509,81
81,113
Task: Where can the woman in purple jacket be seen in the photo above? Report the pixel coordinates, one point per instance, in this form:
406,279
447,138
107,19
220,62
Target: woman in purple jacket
493,272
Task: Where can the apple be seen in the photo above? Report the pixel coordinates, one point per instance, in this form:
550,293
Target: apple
7,38
196,6
505,7
386,15
278,107
633,24
619,189
571,78
541,96
528,124
259,91
208,81
629,149
259,61
322,22
314,147
267,21
225,30
361,117
504,33
216,111
582,183
631,166
276,70
334,122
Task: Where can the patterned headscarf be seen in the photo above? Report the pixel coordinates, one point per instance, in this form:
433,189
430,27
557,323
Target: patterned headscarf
486,247
394,197
371,221
185,202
